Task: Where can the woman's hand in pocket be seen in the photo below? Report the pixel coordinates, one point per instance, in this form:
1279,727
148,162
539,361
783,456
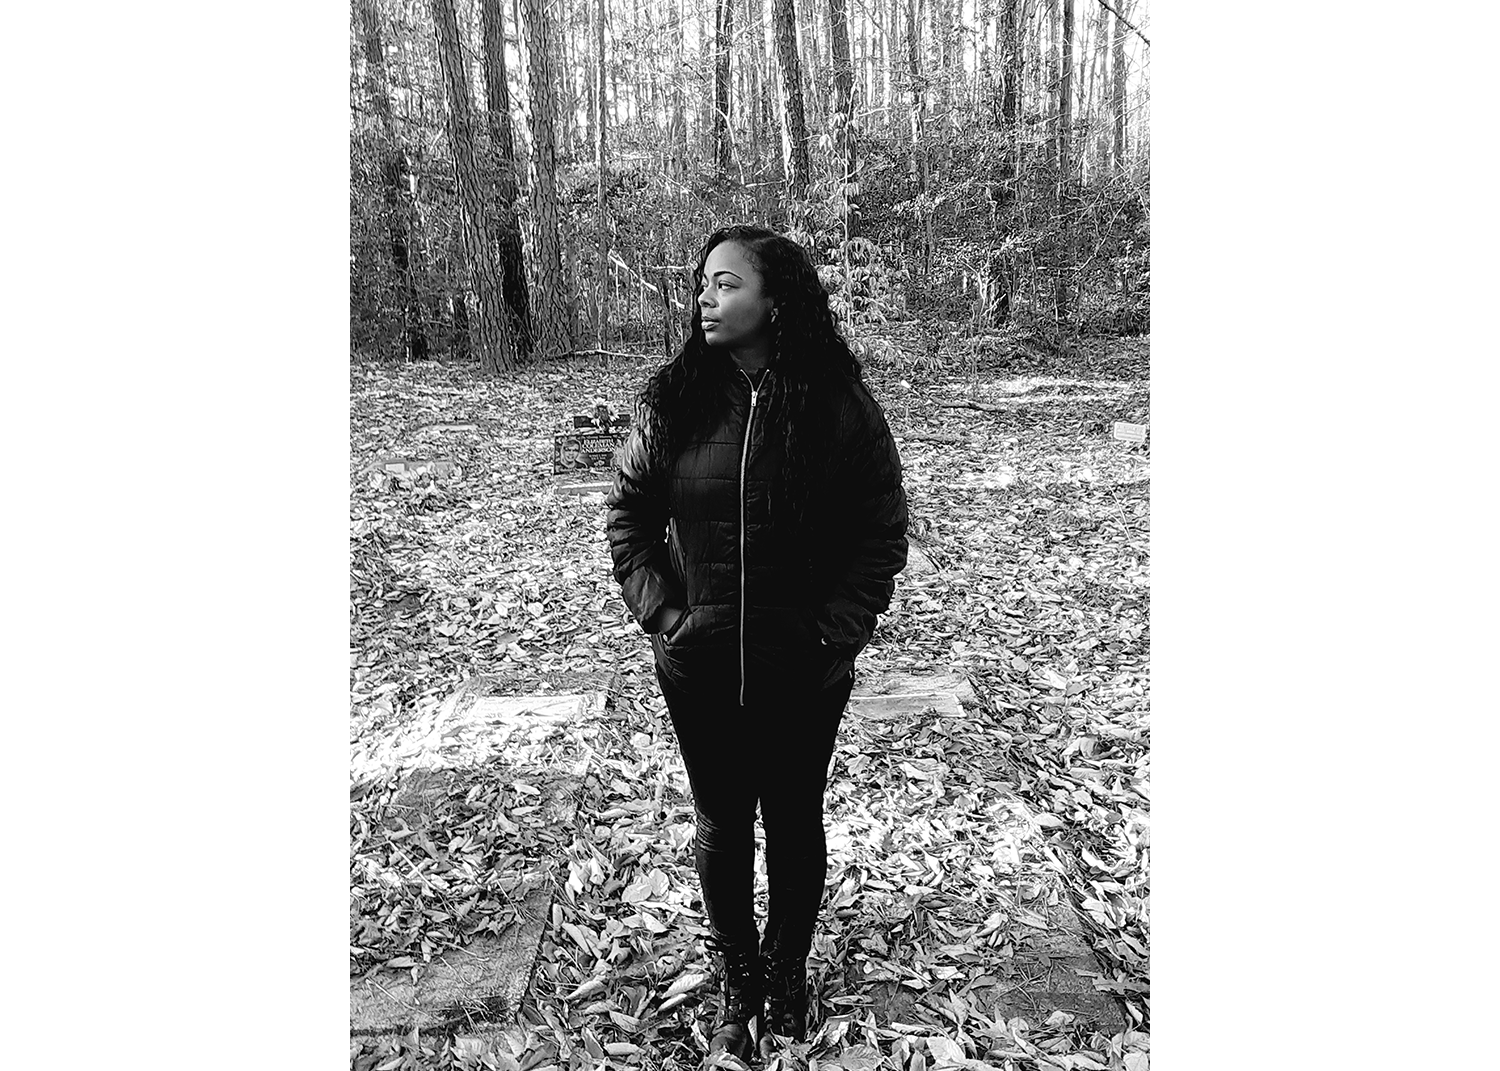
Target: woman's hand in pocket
670,617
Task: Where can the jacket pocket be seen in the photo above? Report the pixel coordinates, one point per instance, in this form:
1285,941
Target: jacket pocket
669,637
815,634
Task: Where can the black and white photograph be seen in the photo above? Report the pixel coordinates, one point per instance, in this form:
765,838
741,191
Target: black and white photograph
750,550
779,535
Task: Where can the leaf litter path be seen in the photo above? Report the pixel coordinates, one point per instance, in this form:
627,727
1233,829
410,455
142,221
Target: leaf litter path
1032,527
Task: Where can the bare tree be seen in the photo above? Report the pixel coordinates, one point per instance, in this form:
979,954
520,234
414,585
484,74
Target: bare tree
552,320
793,117
487,332
396,192
502,141
1064,163
1118,64
919,163
998,280
723,29
601,160
843,88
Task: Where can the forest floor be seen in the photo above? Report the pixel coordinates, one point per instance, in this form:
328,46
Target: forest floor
1037,523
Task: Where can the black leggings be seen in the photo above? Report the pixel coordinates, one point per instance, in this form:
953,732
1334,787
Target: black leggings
776,755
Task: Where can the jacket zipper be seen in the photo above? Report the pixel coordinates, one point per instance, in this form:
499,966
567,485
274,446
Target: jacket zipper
744,513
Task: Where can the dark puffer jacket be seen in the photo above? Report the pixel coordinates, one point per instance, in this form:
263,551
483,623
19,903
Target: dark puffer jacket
768,610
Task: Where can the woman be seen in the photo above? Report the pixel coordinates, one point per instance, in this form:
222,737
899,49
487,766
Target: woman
757,524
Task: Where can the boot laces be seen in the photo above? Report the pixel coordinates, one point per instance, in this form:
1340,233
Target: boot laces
740,980
786,986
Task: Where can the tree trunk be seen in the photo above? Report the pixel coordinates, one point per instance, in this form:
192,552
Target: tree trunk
915,89
551,324
793,118
1010,102
502,140
890,81
1118,65
812,66
918,134
601,162
753,94
588,92
618,108
723,29
1064,163
1094,161
843,86
998,280
944,33
678,137
988,68
769,82
487,327
396,192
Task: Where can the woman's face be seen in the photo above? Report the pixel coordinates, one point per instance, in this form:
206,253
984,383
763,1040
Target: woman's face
736,311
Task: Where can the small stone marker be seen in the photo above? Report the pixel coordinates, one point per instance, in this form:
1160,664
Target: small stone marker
1130,433
582,490
403,467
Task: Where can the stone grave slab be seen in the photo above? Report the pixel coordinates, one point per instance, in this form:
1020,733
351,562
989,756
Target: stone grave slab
461,988
1053,968
893,695
511,737
469,729
585,488
401,466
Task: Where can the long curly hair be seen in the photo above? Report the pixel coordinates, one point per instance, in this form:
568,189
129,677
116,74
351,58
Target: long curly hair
808,358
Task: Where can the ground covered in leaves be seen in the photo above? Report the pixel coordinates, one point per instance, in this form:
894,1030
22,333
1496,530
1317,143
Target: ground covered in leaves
1033,526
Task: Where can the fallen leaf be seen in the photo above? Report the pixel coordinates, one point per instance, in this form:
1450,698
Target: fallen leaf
859,1058
944,1051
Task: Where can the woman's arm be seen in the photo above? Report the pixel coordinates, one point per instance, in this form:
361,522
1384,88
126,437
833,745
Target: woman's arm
868,529
636,526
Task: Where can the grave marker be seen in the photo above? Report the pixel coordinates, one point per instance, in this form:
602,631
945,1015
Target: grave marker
593,443
512,738
1051,969
1130,433
397,466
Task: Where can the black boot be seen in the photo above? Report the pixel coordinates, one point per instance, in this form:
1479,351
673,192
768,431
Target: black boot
742,992
786,994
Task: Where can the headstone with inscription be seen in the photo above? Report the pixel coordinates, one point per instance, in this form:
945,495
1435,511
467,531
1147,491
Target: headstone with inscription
593,443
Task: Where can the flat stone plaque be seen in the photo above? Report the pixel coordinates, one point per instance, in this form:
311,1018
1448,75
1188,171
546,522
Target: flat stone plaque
593,487
516,737
1053,968
461,988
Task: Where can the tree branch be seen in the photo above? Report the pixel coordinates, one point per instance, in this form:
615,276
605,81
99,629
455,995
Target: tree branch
1126,21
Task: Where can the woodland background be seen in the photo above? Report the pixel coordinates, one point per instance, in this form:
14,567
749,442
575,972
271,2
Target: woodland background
529,180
